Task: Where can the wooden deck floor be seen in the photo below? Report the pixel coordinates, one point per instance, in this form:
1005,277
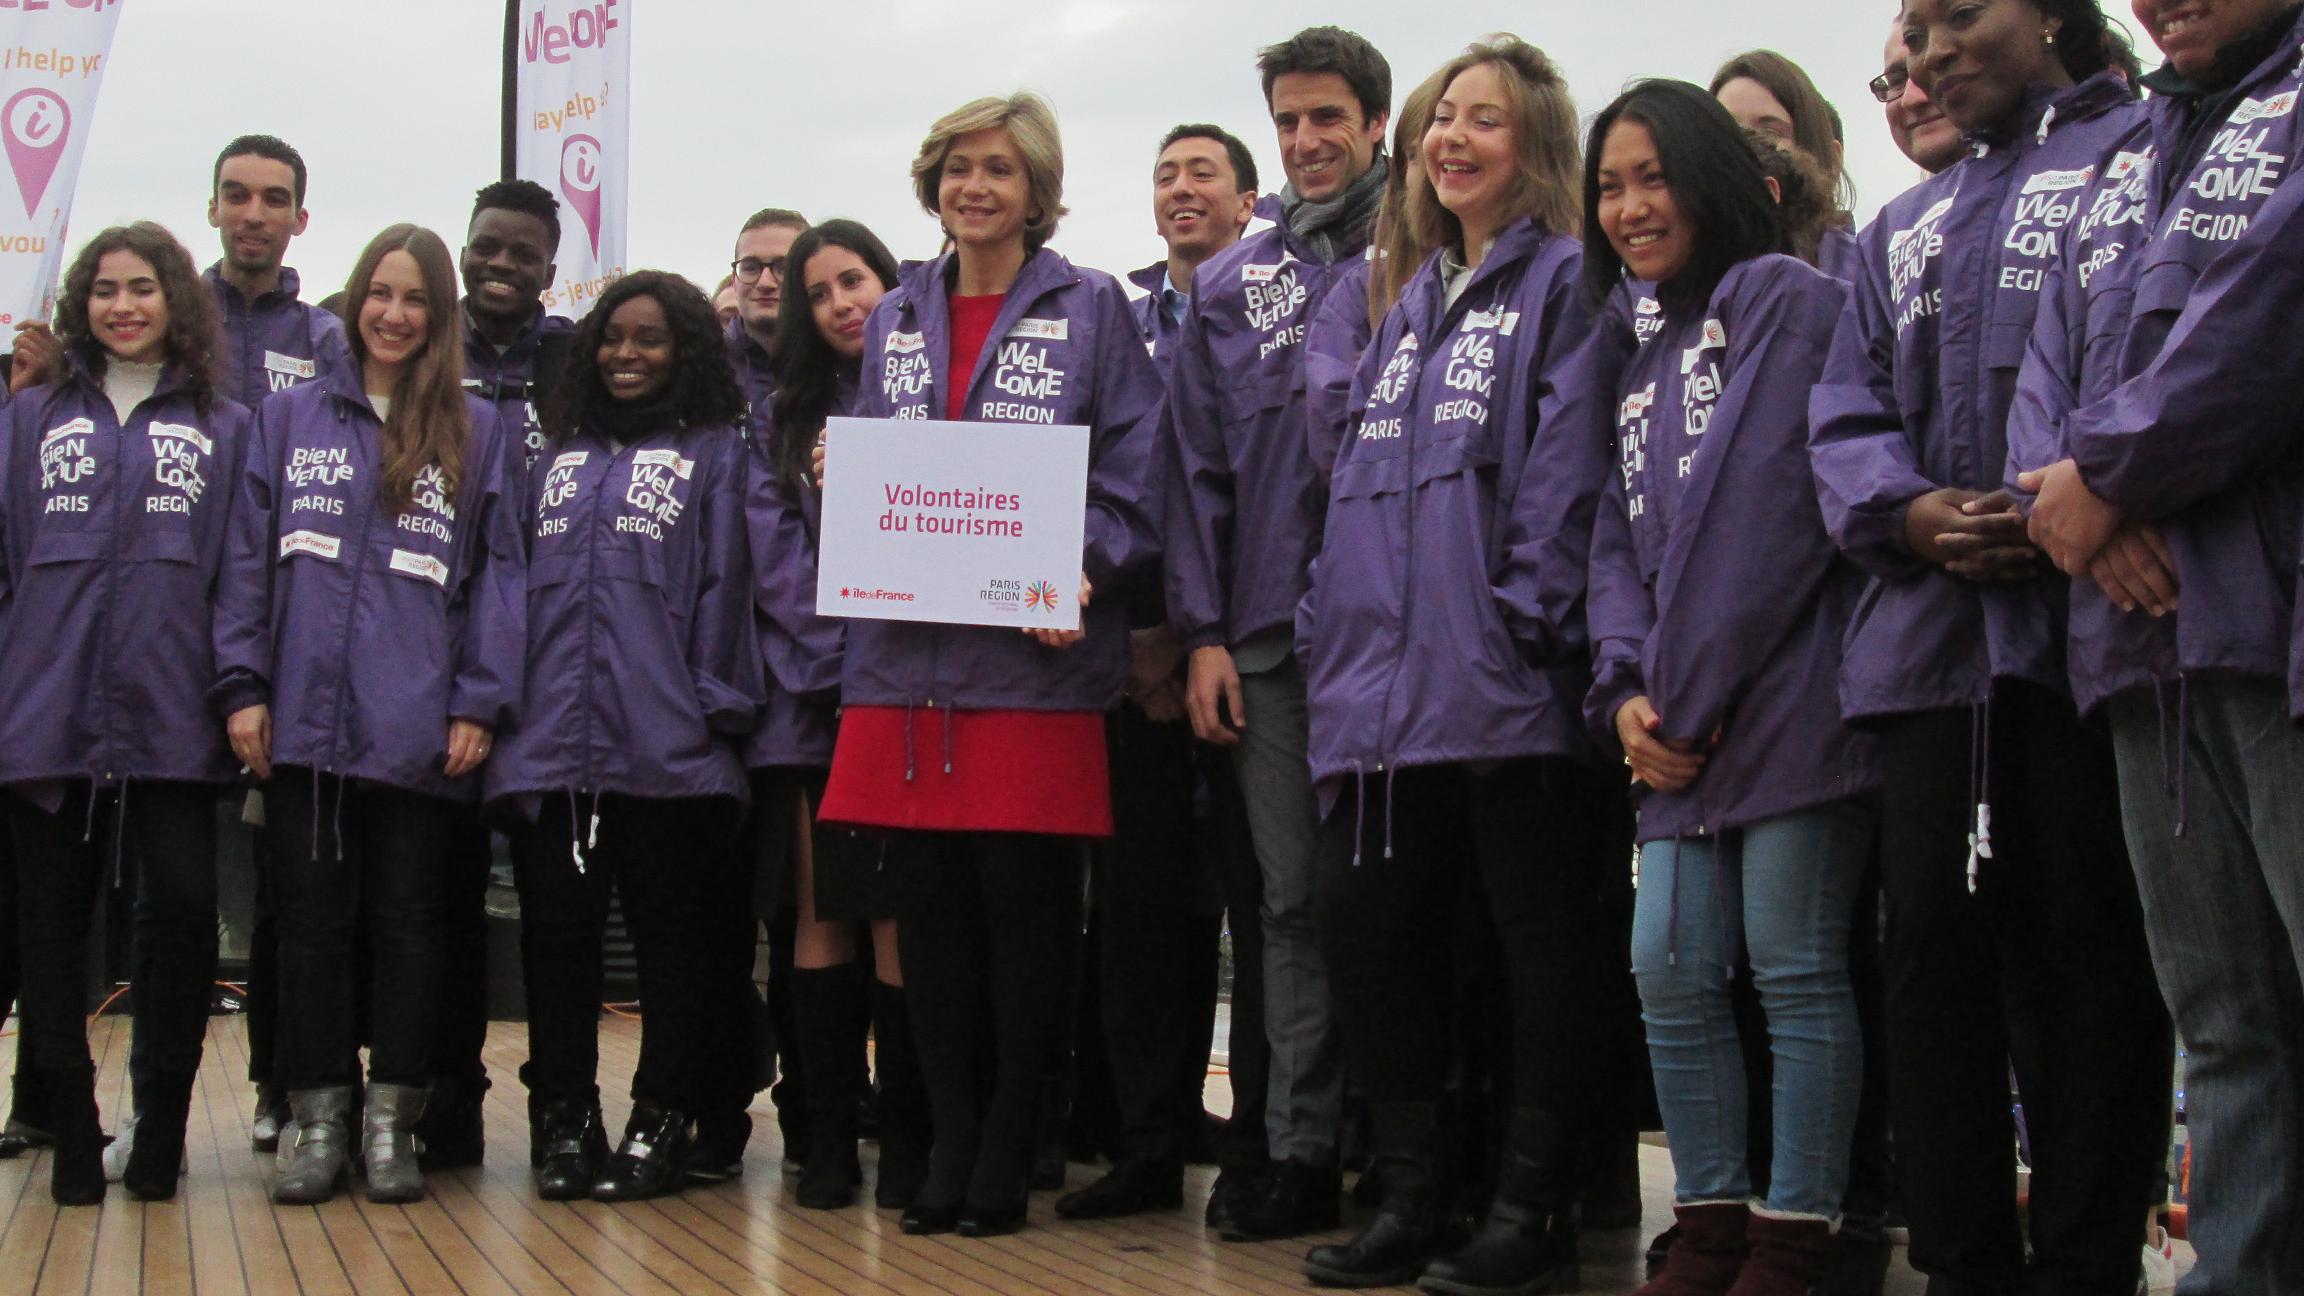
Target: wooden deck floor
483,1231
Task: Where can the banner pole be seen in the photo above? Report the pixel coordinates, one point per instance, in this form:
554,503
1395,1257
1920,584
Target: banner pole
511,89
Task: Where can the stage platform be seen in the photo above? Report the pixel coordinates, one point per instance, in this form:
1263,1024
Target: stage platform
483,1231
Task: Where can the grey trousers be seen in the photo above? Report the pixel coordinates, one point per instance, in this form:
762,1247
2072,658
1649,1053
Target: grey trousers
1305,1095
2224,910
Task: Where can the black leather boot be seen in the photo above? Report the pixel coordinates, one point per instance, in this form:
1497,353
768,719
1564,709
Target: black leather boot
1528,1245
28,1118
452,1133
651,1161
76,1163
828,1006
570,1147
906,1129
1414,1223
159,1151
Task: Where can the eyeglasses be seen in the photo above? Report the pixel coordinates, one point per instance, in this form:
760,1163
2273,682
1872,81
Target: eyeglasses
1888,87
749,269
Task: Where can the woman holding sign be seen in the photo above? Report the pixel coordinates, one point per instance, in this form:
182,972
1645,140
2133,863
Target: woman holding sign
111,534
643,675
831,879
368,633
982,748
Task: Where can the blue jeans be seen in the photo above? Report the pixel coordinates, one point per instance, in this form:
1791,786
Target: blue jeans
2224,911
1785,891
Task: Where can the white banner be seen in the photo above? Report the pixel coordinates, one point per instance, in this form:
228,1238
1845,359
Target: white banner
957,523
571,123
52,58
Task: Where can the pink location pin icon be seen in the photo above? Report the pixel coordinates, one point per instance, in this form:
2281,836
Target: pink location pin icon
33,127
580,167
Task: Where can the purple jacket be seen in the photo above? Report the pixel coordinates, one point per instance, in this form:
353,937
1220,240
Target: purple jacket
276,341
368,633
516,380
1332,348
755,374
1242,513
1446,621
1060,323
2164,365
643,672
1840,256
1156,326
111,537
1916,397
800,650
1715,588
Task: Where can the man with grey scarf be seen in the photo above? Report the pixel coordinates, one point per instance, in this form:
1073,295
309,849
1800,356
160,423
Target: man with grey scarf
1244,506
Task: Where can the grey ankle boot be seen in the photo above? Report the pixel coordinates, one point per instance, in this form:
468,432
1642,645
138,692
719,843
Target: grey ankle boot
388,1142
315,1146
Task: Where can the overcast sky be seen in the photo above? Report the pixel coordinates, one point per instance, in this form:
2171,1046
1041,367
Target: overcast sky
741,104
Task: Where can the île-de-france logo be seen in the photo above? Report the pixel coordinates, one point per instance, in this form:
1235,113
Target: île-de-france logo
1040,596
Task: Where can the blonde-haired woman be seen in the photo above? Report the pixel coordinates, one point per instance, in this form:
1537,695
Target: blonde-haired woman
1447,661
981,749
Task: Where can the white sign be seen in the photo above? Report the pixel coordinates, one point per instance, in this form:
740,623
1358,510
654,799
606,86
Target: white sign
956,523
52,61
571,118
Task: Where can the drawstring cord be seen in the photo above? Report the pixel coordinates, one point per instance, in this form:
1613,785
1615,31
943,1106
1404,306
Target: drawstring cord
2183,728
910,764
1980,786
336,819
947,740
1721,864
1359,809
88,829
575,832
1389,775
1672,919
315,814
119,829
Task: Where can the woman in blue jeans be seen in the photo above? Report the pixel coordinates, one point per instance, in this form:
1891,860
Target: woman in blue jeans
1717,604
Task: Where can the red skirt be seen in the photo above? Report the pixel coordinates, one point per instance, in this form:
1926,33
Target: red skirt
971,771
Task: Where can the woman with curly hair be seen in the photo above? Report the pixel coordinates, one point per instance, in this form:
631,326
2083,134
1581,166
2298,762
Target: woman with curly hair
367,647
111,538
643,676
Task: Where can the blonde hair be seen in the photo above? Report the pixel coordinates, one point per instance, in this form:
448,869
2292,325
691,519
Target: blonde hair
1031,126
1548,184
1398,253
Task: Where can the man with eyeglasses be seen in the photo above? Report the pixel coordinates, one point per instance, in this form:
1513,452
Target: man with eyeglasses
1922,132
761,247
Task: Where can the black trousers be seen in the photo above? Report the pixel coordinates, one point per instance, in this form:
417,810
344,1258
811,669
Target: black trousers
262,1007
356,861
1240,879
460,1024
62,862
2044,968
1157,917
989,923
1544,836
671,864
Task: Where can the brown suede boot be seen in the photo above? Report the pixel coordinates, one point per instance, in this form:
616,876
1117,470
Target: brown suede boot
1708,1253
1790,1256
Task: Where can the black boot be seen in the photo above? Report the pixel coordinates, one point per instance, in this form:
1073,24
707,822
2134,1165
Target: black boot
570,1146
652,1160
905,1127
1414,1223
76,1164
452,1134
28,1118
1048,1141
159,1150
828,1007
1528,1245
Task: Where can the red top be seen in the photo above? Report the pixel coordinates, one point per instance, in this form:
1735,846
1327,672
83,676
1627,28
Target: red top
972,320
937,769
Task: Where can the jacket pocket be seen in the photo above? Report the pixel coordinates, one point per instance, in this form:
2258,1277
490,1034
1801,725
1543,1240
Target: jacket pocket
56,547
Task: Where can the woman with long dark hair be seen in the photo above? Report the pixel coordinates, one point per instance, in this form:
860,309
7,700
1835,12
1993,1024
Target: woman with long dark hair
1717,606
368,632
1446,660
2013,938
981,749
112,531
830,879
643,676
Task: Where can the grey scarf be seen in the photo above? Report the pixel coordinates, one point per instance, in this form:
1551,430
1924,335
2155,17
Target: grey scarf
1339,225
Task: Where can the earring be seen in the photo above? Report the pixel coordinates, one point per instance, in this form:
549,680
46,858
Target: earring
2048,36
